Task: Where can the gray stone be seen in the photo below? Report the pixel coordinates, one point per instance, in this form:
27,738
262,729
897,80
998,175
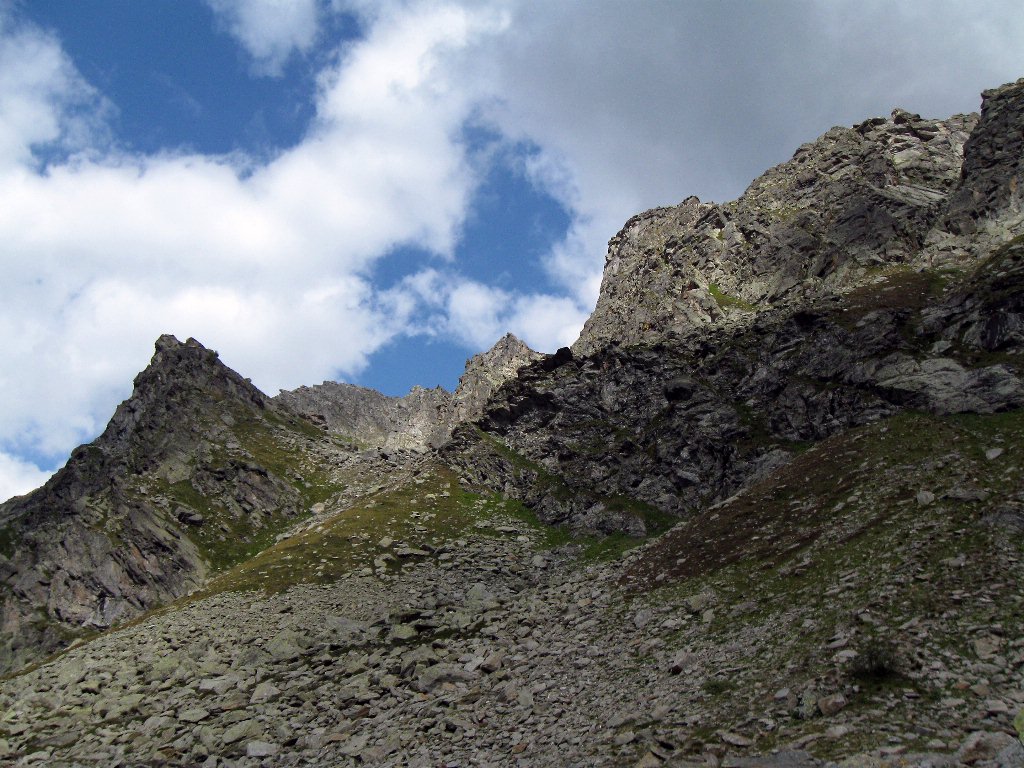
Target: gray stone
643,617
492,663
286,645
682,661
982,745
830,705
261,749
265,691
439,674
193,714
244,729
735,739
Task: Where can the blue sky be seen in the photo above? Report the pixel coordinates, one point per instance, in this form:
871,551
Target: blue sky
374,191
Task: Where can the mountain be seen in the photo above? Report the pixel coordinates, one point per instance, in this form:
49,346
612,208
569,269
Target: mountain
422,419
767,511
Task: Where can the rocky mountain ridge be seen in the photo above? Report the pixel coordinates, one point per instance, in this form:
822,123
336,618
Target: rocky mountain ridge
809,402
197,470
420,420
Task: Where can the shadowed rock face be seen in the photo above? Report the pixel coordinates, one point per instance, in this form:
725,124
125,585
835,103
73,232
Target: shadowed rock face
484,374
106,537
992,170
835,292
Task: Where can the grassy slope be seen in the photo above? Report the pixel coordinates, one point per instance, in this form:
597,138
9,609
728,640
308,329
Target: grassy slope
838,545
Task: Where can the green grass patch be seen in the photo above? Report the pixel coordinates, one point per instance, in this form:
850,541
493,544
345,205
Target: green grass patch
716,686
421,518
8,541
726,301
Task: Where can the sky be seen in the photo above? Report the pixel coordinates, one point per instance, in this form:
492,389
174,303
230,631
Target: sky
374,191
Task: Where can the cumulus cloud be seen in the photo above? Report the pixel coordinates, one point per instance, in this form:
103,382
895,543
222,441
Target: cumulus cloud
446,304
18,477
635,105
270,30
44,102
267,263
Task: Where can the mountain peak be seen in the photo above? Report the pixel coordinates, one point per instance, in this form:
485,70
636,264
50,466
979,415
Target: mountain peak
423,418
851,201
178,373
486,372
508,350
811,396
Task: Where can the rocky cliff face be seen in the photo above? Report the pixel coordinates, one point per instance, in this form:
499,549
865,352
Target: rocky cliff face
370,419
195,472
419,421
484,374
855,200
812,395
186,477
835,292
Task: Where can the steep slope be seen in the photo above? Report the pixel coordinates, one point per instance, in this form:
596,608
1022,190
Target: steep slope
822,393
684,408
855,199
864,603
195,471
484,374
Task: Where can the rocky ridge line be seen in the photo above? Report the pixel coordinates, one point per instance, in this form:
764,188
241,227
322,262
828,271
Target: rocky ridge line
680,404
137,517
420,420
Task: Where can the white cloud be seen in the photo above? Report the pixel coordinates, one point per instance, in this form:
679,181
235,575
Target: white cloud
18,477
635,105
270,30
266,263
475,312
43,99
546,322
478,314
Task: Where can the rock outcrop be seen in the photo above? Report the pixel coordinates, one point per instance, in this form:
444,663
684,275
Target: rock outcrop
418,421
371,419
989,196
852,201
484,374
835,292
182,479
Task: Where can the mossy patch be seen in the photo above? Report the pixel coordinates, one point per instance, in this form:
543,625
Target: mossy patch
838,554
726,301
419,519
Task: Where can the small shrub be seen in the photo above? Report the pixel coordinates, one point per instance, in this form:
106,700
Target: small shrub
716,687
877,660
